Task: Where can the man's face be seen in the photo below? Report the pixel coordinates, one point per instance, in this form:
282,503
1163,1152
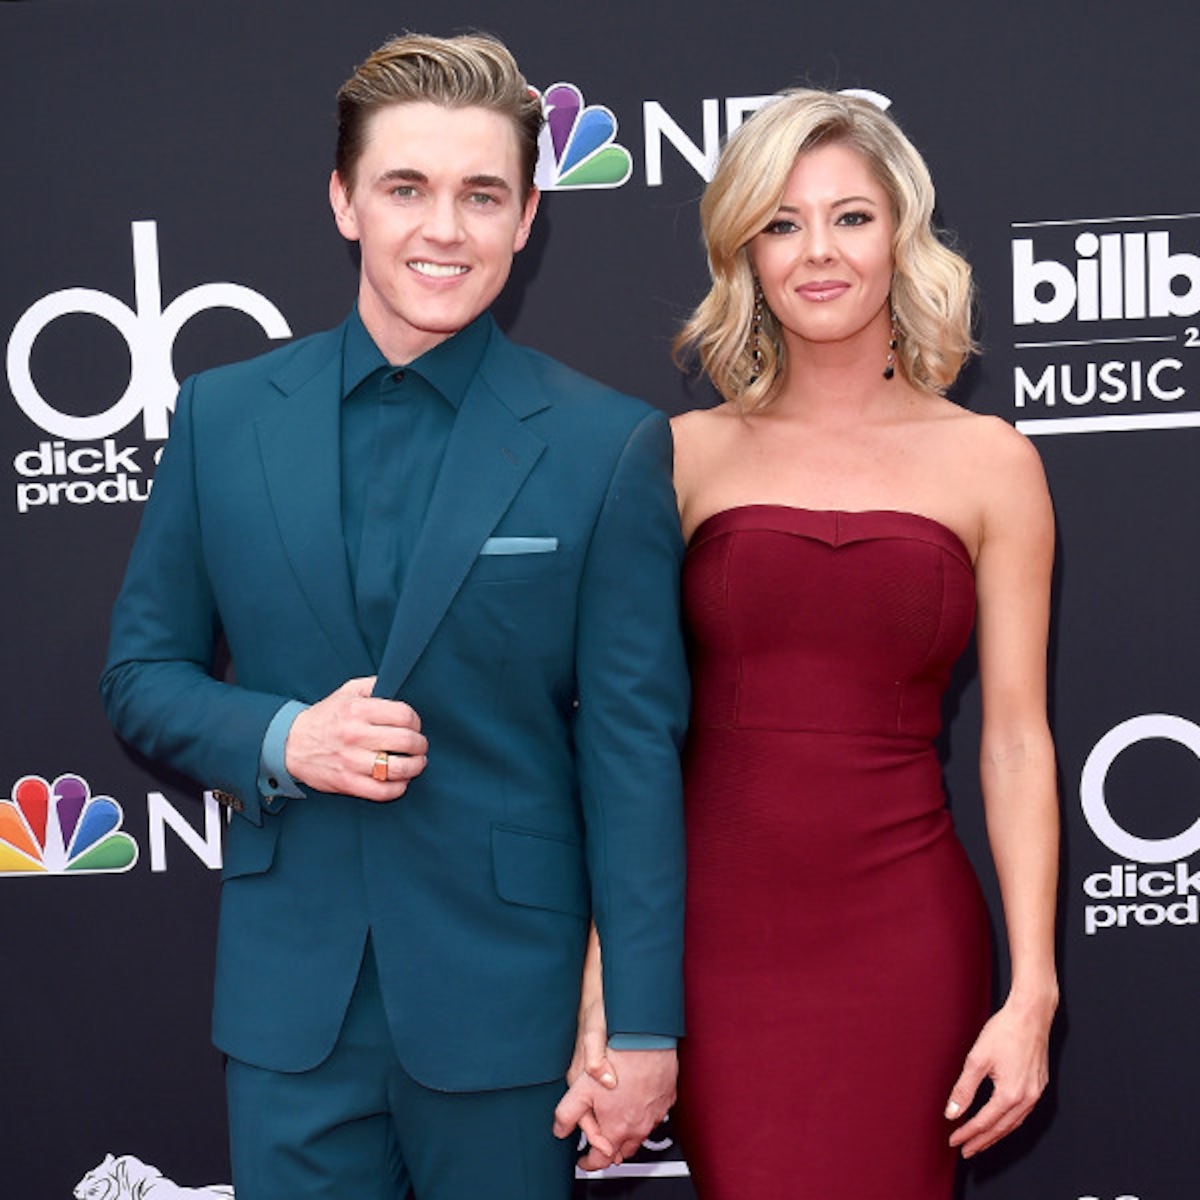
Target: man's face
436,207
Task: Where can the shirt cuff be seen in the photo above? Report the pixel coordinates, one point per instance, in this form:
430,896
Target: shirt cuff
273,779
641,1041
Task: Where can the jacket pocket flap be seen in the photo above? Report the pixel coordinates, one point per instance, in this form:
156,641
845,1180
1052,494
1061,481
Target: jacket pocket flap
540,870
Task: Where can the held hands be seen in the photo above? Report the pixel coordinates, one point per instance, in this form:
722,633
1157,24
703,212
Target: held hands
616,1097
589,1059
356,744
1012,1050
619,1114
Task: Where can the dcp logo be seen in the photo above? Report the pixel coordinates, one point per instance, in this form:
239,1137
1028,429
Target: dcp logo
150,332
1150,894
1095,774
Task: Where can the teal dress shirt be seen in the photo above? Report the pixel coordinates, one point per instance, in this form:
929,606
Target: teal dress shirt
395,423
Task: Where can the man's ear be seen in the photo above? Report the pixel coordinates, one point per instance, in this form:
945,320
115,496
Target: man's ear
526,223
343,210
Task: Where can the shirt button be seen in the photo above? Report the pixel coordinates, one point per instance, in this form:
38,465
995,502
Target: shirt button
397,376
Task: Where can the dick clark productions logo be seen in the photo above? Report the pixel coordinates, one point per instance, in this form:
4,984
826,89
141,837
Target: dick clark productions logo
150,332
50,473
1125,894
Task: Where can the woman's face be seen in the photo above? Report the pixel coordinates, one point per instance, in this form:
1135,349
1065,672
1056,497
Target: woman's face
825,257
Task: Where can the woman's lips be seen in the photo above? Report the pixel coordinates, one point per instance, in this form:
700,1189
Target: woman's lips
823,289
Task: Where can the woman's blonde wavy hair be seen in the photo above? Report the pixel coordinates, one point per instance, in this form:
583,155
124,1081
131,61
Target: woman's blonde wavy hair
931,290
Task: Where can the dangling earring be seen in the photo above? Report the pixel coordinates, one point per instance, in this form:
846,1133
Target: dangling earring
756,333
889,368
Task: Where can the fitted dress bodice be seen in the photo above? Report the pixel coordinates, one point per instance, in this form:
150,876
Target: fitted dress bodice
845,622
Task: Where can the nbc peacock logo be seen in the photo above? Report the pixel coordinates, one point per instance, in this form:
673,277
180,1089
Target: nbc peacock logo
60,828
577,147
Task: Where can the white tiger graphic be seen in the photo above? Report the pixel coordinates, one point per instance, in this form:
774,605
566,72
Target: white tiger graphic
128,1178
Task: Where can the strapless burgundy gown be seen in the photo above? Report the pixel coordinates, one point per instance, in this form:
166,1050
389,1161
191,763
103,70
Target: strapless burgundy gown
837,950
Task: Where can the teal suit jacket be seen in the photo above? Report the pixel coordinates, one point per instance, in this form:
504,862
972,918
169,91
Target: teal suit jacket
538,637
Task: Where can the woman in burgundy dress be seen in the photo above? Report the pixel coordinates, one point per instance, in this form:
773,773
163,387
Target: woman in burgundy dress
847,527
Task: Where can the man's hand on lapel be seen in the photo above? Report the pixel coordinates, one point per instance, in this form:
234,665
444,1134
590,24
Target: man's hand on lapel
338,744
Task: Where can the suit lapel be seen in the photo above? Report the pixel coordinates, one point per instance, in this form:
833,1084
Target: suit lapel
299,443
488,458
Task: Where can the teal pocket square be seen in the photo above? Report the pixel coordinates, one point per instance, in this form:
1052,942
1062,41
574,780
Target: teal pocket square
519,545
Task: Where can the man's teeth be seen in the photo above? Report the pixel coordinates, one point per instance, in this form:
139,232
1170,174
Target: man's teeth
438,270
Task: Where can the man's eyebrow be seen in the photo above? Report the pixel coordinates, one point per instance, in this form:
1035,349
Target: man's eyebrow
492,181
407,174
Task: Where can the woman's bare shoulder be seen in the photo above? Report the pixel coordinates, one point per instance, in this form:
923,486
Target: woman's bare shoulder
702,430
982,442
697,420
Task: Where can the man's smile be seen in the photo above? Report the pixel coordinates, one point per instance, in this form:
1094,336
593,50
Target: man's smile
437,270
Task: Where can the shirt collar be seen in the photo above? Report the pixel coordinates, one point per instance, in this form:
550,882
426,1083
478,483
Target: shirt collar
449,366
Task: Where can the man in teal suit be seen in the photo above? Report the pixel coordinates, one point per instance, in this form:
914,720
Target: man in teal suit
446,570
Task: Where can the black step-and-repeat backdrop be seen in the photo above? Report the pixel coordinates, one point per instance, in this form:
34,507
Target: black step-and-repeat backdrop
164,209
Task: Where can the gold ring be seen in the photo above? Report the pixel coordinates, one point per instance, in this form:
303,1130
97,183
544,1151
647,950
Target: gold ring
379,770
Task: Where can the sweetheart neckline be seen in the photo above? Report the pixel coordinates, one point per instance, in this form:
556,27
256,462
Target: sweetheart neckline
832,512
